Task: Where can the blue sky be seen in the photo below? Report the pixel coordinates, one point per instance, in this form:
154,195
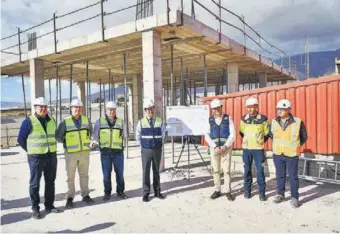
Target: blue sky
282,22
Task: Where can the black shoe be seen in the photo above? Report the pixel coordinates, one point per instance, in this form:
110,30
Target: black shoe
263,197
69,203
88,200
215,195
230,197
36,214
122,195
146,198
159,195
52,209
106,197
247,195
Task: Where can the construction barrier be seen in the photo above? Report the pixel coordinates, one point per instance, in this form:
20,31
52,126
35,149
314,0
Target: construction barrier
315,101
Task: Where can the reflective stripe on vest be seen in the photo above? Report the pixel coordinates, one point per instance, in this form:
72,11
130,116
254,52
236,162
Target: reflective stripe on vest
286,142
39,141
77,139
111,137
151,137
219,133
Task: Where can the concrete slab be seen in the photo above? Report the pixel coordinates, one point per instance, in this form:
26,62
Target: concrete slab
187,207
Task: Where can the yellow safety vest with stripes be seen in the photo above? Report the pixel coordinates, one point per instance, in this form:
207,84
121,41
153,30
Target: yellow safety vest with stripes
77,139
286,142
254,130
39,141
111,137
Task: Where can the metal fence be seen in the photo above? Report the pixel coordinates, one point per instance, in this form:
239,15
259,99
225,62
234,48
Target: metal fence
14,43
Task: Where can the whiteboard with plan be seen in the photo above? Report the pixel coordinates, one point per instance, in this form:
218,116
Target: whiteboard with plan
187,120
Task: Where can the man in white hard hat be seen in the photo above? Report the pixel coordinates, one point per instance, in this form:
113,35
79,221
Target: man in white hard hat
37,138
220,138
75,133
254,130
109,133
150,134
288,134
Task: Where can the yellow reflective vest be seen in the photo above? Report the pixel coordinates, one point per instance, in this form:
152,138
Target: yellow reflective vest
111,137
286,142
77,139
39,141
254,131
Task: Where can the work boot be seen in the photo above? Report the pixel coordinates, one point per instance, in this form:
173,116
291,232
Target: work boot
69,203
279,198
215,195
159,195
36,214
52,209
146,198
122,195
247,195
262,197
88,200
230,197
106,197
295,203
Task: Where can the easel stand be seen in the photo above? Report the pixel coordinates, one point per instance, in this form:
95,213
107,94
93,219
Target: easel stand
187,141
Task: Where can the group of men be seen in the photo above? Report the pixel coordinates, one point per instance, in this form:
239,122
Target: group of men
287,132
39,134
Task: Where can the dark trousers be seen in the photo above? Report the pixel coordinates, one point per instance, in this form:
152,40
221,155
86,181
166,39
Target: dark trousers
117,160
282,163
151,157
258,157
38,165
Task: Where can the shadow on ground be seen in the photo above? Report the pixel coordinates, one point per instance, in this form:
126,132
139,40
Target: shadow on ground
2,154
93,228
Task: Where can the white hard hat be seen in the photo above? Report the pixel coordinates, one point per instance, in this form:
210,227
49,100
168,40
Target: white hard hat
76,102
40,101
284,104
111,105
148,103
215,103
251,101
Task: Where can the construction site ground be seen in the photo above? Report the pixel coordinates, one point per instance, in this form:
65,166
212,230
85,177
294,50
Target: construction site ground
187,207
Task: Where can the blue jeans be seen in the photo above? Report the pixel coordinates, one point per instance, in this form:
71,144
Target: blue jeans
46,164
117,160
258,156
282,163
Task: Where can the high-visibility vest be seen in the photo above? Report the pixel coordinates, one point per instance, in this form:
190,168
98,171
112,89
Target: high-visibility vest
39,141
219,133
111,137
286,142
151,137
254,131
77,139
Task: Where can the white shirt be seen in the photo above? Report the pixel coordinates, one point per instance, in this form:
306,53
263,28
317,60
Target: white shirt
139,129
231,137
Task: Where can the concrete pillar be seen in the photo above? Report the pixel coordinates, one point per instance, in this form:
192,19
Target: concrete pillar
217,89
262,80
137,100
232,78
37,80
152,73
130,108
152,68
80,88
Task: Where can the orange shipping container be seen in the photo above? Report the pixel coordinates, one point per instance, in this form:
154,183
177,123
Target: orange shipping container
315,101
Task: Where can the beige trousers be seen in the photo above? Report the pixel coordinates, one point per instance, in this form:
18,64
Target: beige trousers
223,161
81,161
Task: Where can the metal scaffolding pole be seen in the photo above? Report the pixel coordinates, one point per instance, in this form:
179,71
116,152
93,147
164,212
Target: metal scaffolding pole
104,97
126,120
89,97
182,93
56,94
50,95
24,93
194,92
87,88
172,75
113,91
100,98
60,109
71,80
205,76
110,85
